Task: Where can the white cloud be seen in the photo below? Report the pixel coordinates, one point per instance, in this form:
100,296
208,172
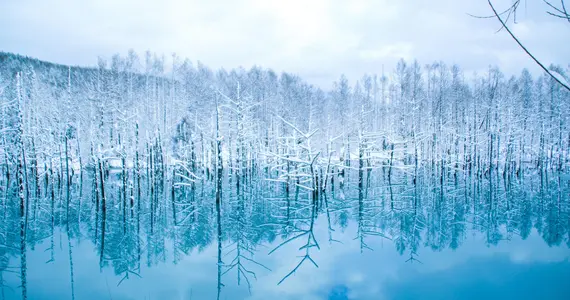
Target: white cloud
317,39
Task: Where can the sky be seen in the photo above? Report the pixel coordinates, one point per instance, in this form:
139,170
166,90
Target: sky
316,39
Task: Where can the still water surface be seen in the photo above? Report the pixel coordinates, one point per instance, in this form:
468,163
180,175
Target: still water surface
467,239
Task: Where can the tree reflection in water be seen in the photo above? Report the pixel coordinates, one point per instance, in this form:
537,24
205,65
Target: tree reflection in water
255,217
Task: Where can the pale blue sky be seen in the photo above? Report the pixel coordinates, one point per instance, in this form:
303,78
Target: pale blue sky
316,39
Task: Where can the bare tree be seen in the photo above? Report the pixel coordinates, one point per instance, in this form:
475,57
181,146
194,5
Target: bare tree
558,11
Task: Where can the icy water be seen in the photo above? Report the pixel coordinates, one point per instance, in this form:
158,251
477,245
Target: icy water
461,238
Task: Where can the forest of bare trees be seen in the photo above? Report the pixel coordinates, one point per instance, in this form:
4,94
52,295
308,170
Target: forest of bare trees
137,149
136,113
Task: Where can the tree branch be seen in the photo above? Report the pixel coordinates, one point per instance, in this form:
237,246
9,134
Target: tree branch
524,48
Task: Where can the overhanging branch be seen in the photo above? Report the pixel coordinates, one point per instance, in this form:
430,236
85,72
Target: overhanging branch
497,15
